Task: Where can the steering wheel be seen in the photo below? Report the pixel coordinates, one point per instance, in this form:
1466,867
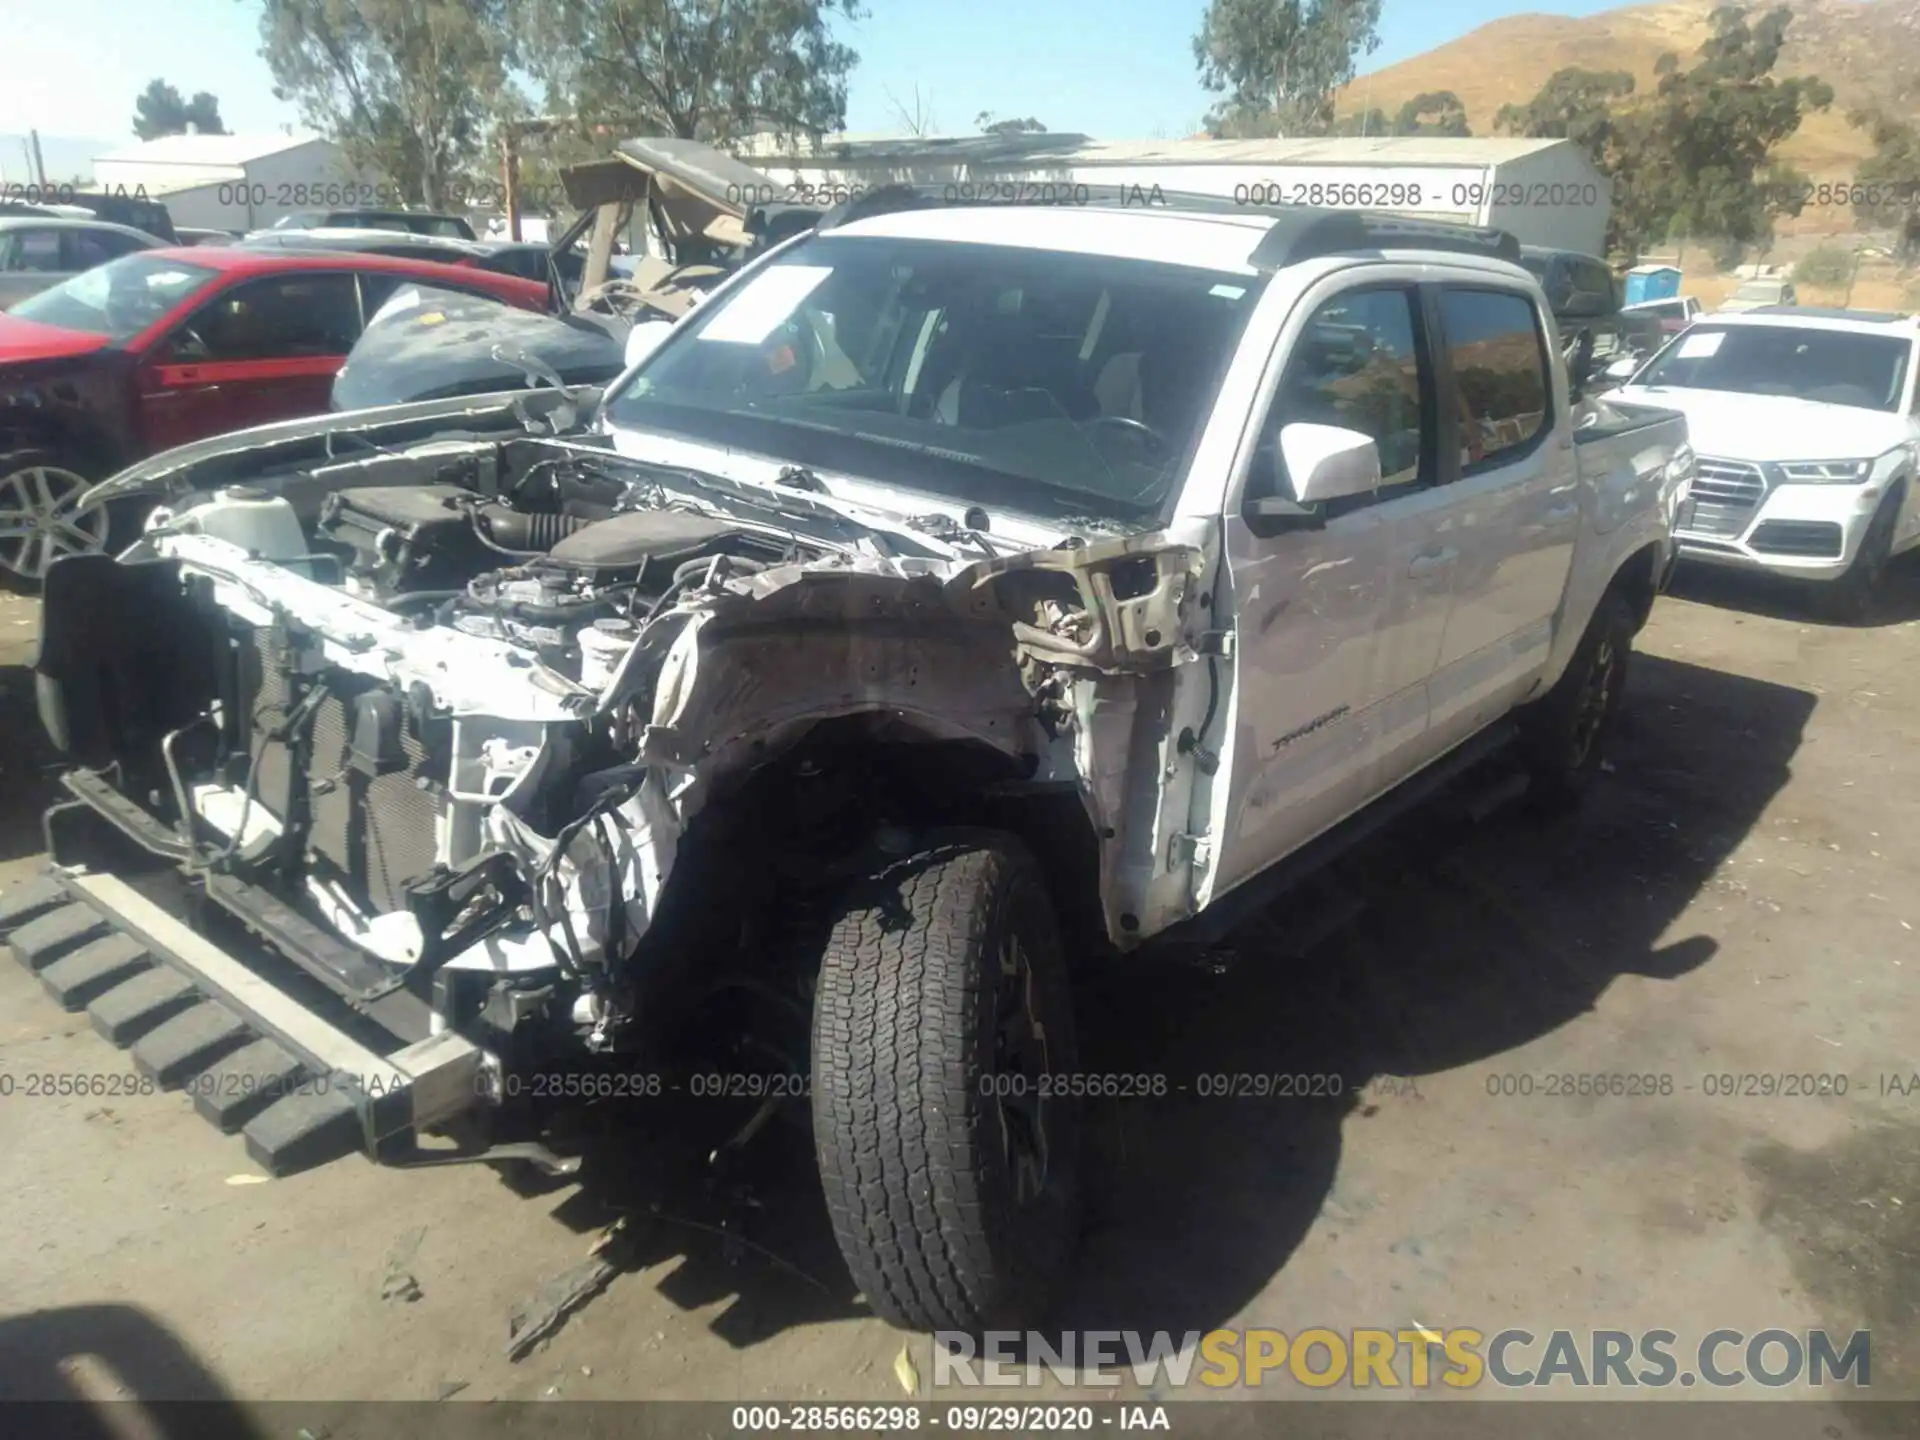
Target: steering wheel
189,347
1150,438
131,311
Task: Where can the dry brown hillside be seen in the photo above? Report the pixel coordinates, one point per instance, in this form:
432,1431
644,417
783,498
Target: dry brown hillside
1868,50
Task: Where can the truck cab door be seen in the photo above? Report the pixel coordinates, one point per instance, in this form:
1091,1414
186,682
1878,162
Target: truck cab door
259,351
1517,505
1337,620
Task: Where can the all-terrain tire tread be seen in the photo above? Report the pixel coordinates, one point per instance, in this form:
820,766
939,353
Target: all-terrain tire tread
898,1123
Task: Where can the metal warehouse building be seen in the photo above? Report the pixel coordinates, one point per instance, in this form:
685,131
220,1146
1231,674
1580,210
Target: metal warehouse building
1546,192
232,182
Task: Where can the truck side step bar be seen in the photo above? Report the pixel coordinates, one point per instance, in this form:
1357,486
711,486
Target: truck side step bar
195,1017
1228,911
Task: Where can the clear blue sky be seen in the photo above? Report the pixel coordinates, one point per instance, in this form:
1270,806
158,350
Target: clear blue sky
1112,68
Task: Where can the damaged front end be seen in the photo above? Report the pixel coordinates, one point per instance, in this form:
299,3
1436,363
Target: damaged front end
510,756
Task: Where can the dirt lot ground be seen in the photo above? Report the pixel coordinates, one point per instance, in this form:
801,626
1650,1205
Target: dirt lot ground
1739,899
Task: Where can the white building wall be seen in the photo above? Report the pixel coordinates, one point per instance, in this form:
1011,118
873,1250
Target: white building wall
1553,197
250,195
206,207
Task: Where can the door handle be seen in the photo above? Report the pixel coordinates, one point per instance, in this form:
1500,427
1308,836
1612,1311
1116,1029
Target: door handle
1432,562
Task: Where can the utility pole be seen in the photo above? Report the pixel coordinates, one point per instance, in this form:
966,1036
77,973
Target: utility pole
39,165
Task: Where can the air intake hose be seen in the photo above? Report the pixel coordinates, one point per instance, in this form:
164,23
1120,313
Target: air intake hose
529,533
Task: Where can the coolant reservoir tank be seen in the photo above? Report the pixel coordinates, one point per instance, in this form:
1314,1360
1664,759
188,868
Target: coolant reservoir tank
261,524
603,645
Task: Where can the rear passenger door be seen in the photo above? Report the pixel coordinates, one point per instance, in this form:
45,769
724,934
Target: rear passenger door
84,249
30,261
1516,507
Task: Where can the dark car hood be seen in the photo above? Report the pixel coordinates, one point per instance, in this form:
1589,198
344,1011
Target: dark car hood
444,346
30,340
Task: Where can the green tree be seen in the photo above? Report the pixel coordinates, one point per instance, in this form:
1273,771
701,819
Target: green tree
1695,155
1436,112
159,110
404,87
1371,121
1829,267
1887,182
1701,148
699,69
1577,105
1279,62
990,126
1433,112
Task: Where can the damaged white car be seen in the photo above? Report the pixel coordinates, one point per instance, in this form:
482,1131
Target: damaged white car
958,589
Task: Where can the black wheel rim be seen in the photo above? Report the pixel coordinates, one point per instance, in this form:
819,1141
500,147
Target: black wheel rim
1020,1073
1596,698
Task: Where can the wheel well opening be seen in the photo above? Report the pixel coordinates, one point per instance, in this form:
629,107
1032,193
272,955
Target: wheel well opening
1637,583
758,872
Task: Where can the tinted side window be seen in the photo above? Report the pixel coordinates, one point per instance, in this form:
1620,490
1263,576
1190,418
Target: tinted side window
288,317
377,289
1500,373
527,264
418,252
1594,279
1358,364
88,248
31,250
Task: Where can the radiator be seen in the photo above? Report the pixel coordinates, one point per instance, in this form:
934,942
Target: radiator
378,834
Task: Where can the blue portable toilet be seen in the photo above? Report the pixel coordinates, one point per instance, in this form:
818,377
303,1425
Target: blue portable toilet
1652,282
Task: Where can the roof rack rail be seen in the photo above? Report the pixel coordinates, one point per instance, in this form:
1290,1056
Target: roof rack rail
1298,232
1303,234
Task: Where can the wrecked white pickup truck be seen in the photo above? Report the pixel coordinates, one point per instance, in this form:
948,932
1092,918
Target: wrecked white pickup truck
956,590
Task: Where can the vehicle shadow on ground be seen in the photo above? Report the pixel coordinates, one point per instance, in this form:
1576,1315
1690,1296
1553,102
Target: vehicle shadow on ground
1756,593
102,1372
1470,939
1474,939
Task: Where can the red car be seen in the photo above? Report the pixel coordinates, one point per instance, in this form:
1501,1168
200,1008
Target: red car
166,346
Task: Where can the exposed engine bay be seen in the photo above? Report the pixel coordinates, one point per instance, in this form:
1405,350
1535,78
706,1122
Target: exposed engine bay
442,721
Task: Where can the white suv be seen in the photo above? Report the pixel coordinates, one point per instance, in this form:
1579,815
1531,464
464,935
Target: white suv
1808,439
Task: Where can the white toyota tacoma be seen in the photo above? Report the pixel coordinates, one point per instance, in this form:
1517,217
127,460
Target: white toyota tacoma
1807,426
959,589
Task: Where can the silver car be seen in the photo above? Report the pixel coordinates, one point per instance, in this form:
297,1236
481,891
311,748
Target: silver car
1756,293
39,251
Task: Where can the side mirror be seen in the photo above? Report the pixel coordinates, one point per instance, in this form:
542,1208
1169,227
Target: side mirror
1320,463
1329,462
644,339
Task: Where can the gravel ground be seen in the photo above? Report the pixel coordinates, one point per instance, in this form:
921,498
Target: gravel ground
1738,899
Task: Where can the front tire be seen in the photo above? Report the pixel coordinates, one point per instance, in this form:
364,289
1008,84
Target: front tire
1563,735
39,516
1852,599
942,1029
